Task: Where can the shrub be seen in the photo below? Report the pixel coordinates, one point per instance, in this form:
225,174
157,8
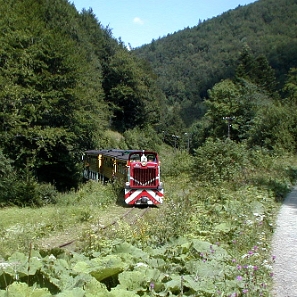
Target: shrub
174,164
219,160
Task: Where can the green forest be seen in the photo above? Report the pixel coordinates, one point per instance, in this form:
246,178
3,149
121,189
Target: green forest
191,61
67,85
217,102
65,81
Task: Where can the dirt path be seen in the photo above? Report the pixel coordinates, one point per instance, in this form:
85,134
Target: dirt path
284,248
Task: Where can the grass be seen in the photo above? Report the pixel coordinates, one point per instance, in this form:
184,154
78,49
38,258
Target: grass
238,216
75,211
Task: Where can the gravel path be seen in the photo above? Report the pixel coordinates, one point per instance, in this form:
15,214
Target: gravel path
284,247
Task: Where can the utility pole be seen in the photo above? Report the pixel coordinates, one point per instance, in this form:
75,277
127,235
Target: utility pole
188,141
175,140
229,120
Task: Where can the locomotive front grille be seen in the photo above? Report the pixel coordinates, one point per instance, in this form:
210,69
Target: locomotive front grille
144,177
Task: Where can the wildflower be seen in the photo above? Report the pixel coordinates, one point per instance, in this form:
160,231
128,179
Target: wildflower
239,277
140,264
233,260
211,249
273,258
52,257
244,291
239,267
152,286
255,268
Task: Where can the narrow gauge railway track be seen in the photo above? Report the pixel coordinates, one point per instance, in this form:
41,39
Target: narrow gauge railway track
131,216
136,215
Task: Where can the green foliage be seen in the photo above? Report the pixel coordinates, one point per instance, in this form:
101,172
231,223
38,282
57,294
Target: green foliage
42,101
225,245
218,161
193,60
176,163
256,70
63,80
7,179
145,138
131,92
223,105
22,289
203,266
274,127
290,87
21,188
91,193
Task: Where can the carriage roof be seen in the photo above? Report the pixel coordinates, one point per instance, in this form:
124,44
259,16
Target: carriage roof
115,153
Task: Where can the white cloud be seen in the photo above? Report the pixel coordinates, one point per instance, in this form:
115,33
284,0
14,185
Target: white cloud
138,21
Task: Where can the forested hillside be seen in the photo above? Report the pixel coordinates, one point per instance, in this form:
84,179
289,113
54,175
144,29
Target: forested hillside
191,61
67,85
64,81
217,101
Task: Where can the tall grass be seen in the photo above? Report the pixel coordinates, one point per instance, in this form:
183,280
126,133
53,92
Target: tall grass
22,227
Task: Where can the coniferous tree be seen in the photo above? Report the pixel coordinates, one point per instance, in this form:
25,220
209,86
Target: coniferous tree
51,97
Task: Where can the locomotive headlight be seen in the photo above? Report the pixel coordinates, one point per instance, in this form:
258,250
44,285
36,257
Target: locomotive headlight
143,160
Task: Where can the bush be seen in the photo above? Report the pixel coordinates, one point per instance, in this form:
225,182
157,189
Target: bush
174,164
21,188
220,160
28,192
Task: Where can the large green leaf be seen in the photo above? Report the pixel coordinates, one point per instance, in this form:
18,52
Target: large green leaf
76,292
58,273
93,288
22,290
224,227
174,284
211,250
257,208
133,281
126,248
23,265
101,268
205,286
121,293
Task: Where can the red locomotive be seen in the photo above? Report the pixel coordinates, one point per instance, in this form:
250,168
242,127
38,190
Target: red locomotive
138,170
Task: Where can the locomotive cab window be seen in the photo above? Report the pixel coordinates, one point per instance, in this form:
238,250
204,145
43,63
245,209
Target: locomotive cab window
135,158
151,158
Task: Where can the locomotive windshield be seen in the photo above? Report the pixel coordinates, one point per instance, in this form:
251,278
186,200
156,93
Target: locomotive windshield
135,158
140,157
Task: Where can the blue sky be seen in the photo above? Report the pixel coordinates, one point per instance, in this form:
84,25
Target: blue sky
137,22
